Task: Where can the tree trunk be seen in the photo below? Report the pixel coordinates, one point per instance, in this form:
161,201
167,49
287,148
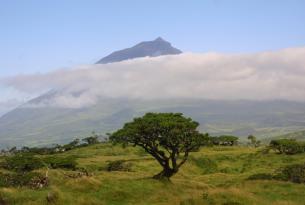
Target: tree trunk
166,173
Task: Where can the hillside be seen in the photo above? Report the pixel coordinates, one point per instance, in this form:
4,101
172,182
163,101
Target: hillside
216,175
300,136
40,126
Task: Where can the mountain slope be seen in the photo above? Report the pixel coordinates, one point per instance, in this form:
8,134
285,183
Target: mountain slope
299,135
154,48
47,125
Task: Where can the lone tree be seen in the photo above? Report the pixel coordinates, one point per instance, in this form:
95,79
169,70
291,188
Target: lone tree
254,141
93,139
168,137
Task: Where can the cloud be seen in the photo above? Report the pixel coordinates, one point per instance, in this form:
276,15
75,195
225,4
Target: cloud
258,76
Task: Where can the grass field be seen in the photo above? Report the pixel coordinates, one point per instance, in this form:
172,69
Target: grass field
214,175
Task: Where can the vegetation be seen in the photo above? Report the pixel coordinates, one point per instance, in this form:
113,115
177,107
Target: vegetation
212,175
165,136
253,141
299,136
294,173
224,140
287,146
221,174
118,165
57,162
93,139
22,163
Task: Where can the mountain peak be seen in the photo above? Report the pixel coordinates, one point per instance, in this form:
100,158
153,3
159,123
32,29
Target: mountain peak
159,39
157,47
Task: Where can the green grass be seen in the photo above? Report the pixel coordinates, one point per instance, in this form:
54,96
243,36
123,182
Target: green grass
215,175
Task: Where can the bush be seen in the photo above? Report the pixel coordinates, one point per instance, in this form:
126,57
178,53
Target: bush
93,139
22,163
56,162
20,179
119,165
224,140
287,146
294,173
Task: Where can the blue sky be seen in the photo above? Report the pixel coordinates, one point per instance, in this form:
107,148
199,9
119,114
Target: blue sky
40,36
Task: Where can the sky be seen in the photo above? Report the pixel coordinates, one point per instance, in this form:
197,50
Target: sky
38,37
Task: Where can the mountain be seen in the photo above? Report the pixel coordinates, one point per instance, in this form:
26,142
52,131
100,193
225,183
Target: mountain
39,122
158,47
46,125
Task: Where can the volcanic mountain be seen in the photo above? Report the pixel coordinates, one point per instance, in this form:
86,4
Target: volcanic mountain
39,122
158,47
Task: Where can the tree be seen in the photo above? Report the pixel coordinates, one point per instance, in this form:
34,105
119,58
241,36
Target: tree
168,137
93,139
25,162
224,140
287,146
71,145
254,141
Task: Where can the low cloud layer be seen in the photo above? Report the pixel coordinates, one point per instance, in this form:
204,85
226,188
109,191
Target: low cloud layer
259,76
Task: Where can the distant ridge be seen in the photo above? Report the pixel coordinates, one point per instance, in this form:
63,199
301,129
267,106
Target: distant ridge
157,47
299,135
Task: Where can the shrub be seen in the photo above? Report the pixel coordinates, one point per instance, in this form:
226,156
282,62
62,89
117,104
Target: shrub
224,140
56,162
20,179
294,173
93,139
118,165
287,146
22,163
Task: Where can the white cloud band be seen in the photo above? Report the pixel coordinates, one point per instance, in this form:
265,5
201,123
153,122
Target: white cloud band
259,76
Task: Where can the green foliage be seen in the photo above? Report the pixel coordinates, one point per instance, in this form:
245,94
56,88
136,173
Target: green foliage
72,145
18,179
57,162
93,139
27,162
22,162
164,136
190,186
224,140
253,141
119,165
294,173
287,146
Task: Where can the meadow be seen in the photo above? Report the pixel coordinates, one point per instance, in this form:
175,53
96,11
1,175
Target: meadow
213,175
